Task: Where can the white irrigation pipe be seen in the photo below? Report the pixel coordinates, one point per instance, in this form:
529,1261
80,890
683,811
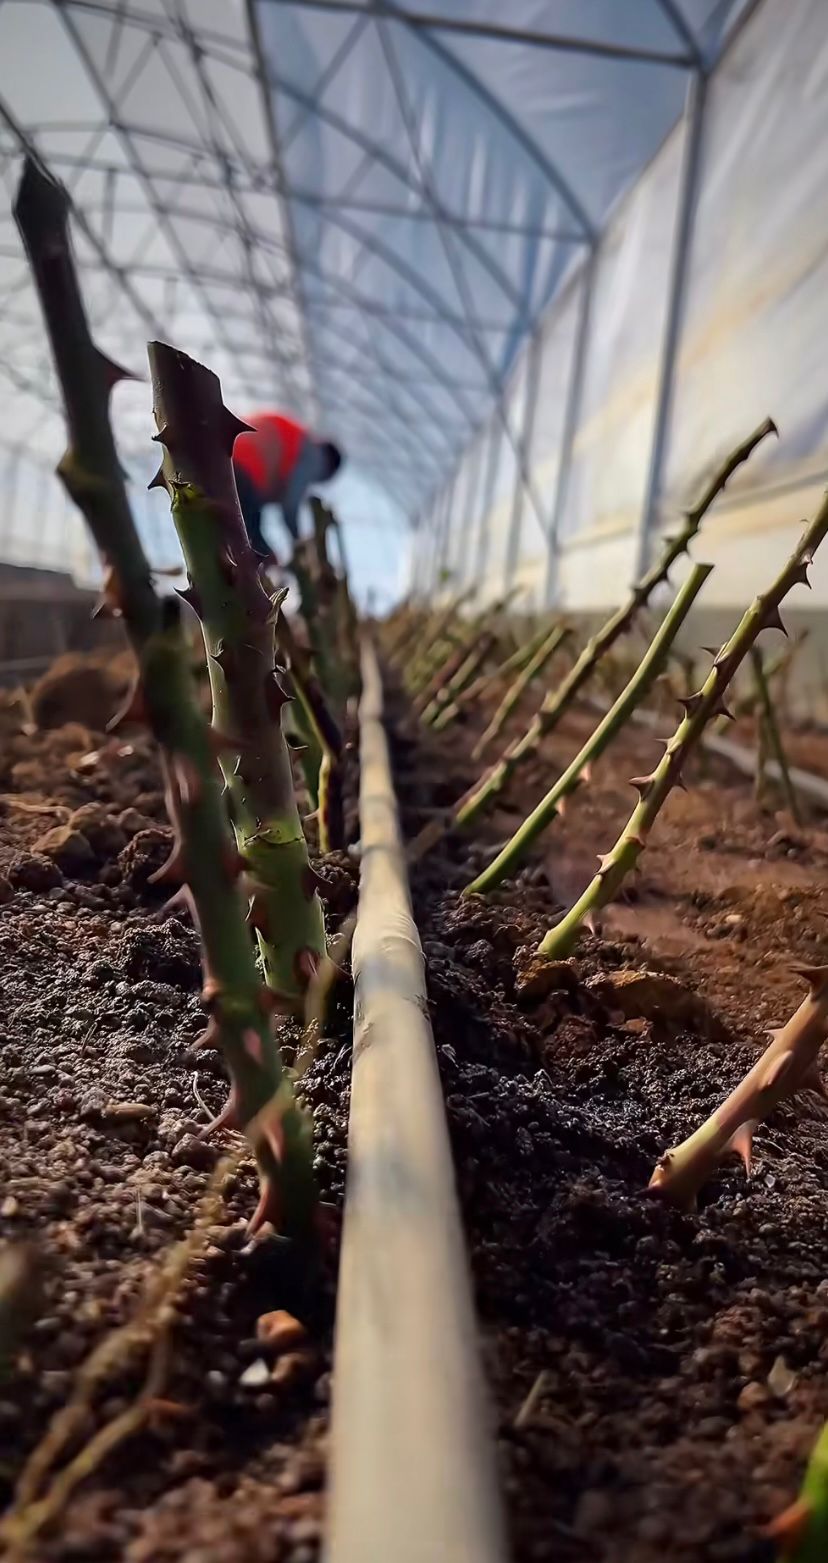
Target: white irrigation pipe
413,1474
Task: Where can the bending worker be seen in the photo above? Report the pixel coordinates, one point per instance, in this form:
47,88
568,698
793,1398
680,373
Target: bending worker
276,464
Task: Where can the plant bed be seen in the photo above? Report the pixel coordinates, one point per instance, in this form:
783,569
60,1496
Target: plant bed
102,1100
660,1377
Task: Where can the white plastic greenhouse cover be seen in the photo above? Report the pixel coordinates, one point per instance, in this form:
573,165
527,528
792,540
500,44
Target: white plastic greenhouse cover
447,233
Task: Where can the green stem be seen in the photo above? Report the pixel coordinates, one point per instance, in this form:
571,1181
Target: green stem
514,693
774,737
326,736
789,1064
436,713
237,617
261,1098
700,707
648,669
547,718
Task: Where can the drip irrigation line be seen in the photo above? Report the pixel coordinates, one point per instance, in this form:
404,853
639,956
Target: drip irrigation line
413,1476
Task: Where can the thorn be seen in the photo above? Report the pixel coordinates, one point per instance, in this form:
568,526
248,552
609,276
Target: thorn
232,427
275,696
211,994
742,1143
720,709
799,576
690,703
605,861
158,480
636,841
192,596
586,774
815,976
134,709
305,965
173,870
190,785
252,1044
643,784
113,373
269,1208
774,620
228,1118
181,901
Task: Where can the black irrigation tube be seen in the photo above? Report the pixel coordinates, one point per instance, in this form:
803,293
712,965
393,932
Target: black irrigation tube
412,1465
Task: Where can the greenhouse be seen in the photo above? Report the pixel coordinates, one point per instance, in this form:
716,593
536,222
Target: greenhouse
413,781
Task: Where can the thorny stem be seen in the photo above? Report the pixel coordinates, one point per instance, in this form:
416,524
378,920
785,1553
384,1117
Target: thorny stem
700,707
236,612
545,651
773,736
556,703
436,713
326,735
788,1065
239,1005
802,1530
514,663
647,671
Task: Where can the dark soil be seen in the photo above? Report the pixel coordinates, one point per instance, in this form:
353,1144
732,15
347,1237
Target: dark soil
657,1377
102,1098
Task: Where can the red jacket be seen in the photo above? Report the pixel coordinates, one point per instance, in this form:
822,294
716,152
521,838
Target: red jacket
269,455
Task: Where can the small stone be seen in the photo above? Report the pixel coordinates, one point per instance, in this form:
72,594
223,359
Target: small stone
190,1151
293,1368
10,1207
256,1375
127,1112
67,847
781,1379
541,977
280,1330
35,872
752,1397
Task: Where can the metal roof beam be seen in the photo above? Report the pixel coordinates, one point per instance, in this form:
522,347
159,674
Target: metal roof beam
560,43
116,272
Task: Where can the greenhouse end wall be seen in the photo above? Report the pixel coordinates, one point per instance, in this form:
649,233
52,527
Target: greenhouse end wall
749,342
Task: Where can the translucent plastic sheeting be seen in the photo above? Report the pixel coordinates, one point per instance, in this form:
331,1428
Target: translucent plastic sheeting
614,426
752,342
555,348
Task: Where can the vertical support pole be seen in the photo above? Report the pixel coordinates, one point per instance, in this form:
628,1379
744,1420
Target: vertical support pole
448,524
436,545
483,540
685,212
475,458
525,440
11,486
570,423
